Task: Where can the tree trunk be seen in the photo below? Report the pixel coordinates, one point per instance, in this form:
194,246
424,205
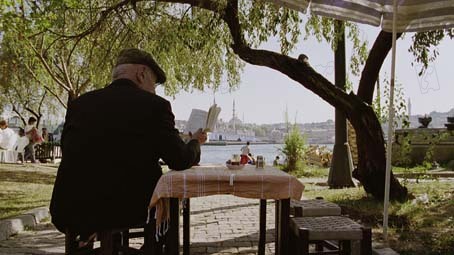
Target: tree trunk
370,141
371,168
71,97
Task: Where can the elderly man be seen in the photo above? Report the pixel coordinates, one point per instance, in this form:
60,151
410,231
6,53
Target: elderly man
112,141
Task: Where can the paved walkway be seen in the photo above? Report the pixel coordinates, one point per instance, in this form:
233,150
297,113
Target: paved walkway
219,225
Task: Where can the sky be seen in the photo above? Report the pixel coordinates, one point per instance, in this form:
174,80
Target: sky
264,94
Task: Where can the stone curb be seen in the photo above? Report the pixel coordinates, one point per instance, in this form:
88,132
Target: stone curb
384,251
9,227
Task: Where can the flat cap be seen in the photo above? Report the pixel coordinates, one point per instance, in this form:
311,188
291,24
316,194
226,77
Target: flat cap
136,56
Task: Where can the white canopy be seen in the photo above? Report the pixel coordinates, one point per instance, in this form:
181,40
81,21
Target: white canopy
412,15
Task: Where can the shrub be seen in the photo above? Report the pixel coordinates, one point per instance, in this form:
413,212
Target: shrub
294,148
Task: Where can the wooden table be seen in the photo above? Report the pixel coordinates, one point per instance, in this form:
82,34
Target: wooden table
250,182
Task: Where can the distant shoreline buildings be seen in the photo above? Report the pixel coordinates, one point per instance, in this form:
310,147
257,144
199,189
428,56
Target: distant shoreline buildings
314,133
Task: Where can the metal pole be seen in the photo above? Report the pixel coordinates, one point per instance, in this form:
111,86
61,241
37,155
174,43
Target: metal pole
390,126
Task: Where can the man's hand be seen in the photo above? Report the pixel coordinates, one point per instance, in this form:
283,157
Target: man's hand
200,135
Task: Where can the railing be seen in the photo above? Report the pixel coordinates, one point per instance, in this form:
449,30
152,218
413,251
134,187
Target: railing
48,150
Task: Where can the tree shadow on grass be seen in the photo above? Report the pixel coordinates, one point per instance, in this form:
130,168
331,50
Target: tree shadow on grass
27,177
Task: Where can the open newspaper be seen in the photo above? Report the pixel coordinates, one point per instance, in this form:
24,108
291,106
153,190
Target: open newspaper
212,118
203,119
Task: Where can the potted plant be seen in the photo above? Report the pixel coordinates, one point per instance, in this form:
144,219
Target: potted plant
424,121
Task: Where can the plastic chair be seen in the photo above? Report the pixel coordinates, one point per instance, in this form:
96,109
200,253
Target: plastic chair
19,147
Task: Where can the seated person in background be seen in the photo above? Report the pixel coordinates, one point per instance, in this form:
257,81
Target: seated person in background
251,160
100,185
245,151
45,135
20,145
276,161
7,136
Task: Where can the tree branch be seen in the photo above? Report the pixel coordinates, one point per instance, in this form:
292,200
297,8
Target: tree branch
56,96
19,114
41,102
66,74
47,67
102,18
374,62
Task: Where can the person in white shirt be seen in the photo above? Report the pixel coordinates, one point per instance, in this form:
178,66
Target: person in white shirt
30,132
244,154
7,136
20,145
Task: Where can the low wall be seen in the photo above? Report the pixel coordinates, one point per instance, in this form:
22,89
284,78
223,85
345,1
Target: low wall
420,141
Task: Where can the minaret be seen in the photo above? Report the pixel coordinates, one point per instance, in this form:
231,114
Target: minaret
409,108
233,117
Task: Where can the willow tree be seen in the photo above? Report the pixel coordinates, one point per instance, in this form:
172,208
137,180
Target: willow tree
77,41
21,82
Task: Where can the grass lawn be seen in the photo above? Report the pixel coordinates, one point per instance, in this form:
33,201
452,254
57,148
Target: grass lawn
24,187
424,225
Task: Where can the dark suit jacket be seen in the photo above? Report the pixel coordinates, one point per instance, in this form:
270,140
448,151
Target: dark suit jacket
112,141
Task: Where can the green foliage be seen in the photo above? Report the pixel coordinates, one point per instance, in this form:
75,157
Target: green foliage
401,118
433,139
294,148
403,153
76,41
424,47
21,78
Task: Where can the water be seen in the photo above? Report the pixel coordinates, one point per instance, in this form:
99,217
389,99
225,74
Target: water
220,154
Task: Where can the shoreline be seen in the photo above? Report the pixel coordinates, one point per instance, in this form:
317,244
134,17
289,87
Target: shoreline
225,143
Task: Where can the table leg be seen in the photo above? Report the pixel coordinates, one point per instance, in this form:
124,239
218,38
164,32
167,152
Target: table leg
186,226
283,227
172,238
262,231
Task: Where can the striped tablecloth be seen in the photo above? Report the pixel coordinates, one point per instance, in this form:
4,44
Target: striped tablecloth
206,180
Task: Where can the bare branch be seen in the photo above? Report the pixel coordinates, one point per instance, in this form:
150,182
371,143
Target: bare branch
18,113
48,69
66,74
102,18
41,102
56,96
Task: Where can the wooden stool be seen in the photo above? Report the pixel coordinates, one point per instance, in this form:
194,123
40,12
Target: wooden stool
114,241
313,207
322,230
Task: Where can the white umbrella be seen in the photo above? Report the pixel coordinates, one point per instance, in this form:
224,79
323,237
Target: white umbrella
393,16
